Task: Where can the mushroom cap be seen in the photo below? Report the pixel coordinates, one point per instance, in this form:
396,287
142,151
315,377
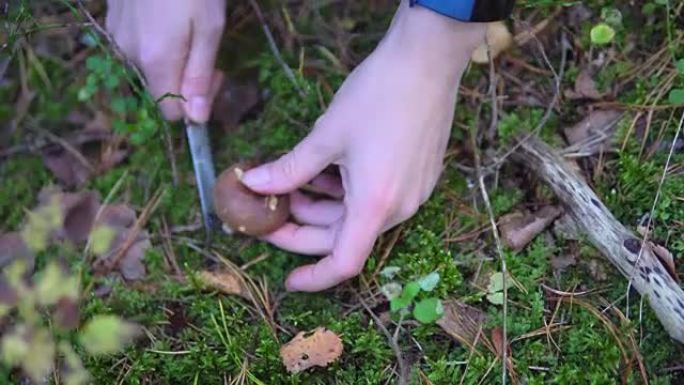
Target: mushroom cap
244,210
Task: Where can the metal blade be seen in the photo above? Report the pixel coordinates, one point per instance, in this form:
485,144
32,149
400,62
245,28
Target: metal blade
200,150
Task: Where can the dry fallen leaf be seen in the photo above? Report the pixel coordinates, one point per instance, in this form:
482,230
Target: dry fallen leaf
78,212
562,262
499,38
592,133
88,152
585,88
13,247
225,281
319,347
518,229
239,98
120,220
666,259
462,322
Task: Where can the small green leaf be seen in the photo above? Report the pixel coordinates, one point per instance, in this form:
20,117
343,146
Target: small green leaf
391,290
602,33
407,295
119,105
496,298
429,282
495,282
680,66
390,271
106,334
676,96
428,310
612,16
101,239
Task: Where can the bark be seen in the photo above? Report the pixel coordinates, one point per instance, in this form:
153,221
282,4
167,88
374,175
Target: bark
626,251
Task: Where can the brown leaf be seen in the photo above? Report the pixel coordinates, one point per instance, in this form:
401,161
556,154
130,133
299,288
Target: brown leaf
67,314
562,262
518,229
13,247
666,259
78,212
226,281
462,322
585,87
319,347
237,100
95,144
497,341
592,133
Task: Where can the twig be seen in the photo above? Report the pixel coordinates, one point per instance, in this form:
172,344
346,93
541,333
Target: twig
274,48
619,245
485,197
403,370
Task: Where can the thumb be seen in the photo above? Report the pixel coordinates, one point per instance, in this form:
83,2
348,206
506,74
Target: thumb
296,168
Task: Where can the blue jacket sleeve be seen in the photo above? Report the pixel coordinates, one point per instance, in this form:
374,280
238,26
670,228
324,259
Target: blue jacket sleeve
470,10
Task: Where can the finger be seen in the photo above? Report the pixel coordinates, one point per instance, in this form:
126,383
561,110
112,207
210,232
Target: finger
309,240
162,66
198,77
113,16
359,231
294,169
317,213
329,184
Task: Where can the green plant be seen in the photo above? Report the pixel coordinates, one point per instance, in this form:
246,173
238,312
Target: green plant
43,309
426,310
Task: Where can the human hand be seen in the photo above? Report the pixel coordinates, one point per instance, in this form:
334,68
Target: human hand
387,129
174,42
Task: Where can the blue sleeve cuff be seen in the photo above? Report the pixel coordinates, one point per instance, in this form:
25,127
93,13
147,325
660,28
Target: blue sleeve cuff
469,10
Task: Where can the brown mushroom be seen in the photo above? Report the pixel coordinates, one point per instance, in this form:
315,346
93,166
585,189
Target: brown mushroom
244,210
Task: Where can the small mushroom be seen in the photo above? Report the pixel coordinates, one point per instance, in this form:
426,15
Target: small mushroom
244,210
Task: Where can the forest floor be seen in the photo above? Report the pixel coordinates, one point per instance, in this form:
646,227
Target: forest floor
73,117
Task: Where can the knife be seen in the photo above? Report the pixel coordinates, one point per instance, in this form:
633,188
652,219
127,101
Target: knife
205,174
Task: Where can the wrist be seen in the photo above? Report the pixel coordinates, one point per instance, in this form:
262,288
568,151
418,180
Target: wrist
421,33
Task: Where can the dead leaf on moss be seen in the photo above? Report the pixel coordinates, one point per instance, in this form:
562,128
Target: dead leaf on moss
561,262
78,212
592,134
85,153
585,88
462,322
666,259
319,347
225,281
499,38
120,220
518,229
13,247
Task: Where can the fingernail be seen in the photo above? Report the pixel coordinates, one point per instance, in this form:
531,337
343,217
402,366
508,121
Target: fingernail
256,177
199,108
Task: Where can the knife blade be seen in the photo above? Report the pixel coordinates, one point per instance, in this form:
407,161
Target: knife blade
205,174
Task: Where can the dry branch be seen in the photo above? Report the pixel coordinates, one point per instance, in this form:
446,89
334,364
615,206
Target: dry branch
632,257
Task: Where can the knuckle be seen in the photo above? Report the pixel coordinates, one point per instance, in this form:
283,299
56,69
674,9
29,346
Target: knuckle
287,166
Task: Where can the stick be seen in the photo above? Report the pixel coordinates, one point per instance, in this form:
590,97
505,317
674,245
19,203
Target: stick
274,48
619,245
